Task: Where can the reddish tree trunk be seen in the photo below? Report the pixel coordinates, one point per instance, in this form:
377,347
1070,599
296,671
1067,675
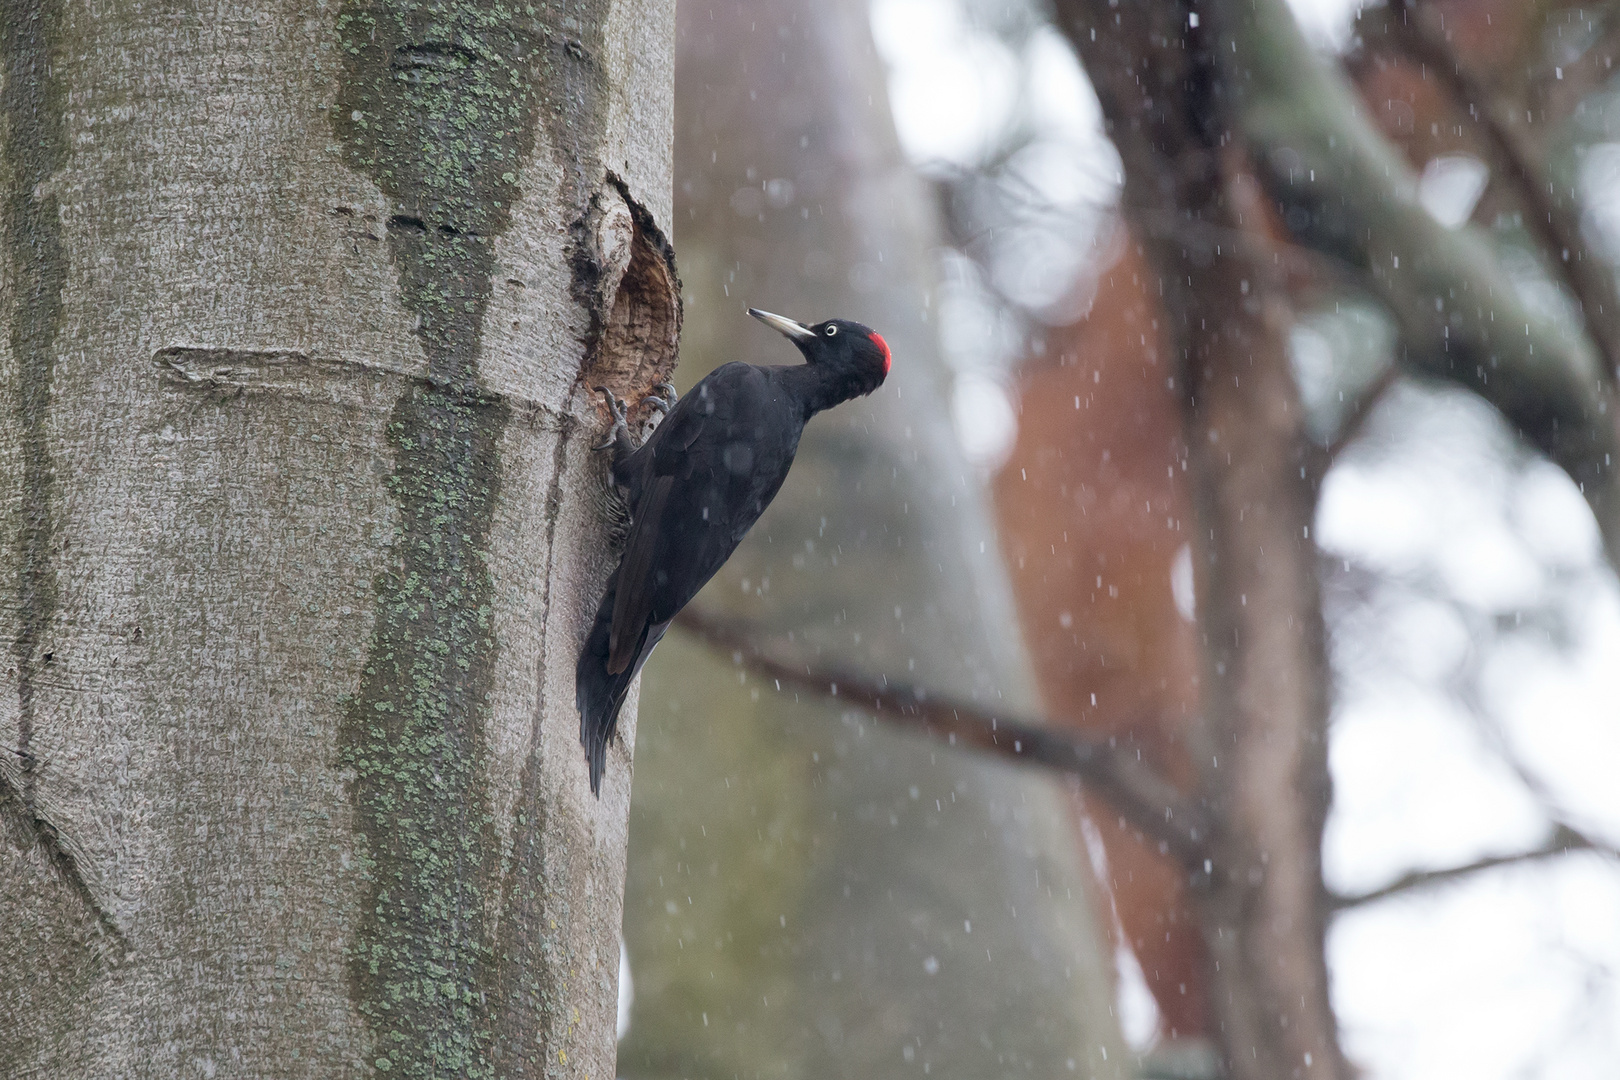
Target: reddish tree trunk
1095,511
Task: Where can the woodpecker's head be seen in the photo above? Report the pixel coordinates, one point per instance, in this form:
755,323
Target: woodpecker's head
857,351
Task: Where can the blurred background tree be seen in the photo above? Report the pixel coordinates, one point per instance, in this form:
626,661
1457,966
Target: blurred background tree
1284,339
813,895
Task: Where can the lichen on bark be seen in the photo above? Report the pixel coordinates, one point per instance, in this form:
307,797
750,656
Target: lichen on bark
438,107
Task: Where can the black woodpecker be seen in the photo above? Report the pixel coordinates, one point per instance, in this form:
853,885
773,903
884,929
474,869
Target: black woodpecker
695,488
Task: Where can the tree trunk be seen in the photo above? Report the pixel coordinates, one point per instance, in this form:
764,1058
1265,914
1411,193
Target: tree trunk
1095,512
301,530
1263,769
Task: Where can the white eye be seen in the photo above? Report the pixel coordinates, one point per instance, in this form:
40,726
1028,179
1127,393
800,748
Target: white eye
831,330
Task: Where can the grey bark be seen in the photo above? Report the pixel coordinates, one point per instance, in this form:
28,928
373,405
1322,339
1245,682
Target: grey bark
300,530
820,896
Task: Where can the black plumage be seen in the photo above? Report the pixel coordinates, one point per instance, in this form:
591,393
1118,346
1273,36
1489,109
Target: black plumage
694,489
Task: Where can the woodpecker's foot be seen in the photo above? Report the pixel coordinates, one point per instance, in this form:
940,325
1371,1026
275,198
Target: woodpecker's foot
665,403
620,429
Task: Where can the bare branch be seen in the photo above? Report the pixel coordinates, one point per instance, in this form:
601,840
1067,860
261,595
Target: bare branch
1563,840
1321,458
1553,221
1343,188
1140,795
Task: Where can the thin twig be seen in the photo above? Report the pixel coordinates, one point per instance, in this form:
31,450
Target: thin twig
1356,417
1140,795
1563,840
1321,458
1554,222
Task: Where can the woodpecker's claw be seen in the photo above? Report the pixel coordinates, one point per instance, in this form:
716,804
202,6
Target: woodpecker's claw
620,428
665,403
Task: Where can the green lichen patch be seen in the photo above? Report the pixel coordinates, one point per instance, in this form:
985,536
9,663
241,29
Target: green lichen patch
413,737
438,106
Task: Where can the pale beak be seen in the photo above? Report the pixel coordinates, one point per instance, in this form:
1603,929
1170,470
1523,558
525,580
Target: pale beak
786,327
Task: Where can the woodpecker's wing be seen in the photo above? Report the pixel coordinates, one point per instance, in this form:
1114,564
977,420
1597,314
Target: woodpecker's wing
634,600
653,470
704,477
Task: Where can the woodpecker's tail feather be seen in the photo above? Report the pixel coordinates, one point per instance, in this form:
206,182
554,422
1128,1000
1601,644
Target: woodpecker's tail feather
598,695
598,722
